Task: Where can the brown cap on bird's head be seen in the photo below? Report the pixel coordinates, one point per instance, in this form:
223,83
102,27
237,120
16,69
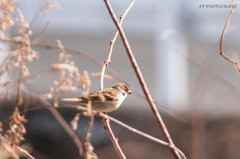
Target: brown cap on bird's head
122,86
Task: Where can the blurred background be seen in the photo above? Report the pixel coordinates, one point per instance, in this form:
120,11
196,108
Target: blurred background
176,44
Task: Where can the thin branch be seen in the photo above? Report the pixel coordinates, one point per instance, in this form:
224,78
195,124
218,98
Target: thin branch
104,66
112,42
61,120
113,139
19,98
104,116
43,32
26,103
222,36
88,132
140,132
141,79
45,6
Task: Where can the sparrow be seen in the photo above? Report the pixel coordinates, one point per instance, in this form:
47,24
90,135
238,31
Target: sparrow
104,101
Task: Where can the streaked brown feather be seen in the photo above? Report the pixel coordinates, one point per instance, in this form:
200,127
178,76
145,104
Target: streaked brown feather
105,101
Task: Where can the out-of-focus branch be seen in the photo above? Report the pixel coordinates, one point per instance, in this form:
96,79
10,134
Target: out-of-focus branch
24,153
44,7
19,99
88,148
141,80
112,42
43,32
61,120
222,36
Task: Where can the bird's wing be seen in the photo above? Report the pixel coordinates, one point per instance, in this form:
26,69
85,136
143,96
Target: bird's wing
107,94
108,97
110,94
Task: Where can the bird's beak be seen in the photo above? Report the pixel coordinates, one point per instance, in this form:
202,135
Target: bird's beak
129,92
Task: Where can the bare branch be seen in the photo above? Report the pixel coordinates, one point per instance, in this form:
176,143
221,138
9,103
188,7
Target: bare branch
61,120
140,132
222,36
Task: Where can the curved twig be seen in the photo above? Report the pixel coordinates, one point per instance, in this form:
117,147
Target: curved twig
112,42
222,36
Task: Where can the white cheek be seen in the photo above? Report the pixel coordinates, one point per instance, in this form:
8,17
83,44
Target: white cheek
122,97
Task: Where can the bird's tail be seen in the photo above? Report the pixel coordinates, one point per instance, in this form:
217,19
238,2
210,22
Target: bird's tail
75,100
